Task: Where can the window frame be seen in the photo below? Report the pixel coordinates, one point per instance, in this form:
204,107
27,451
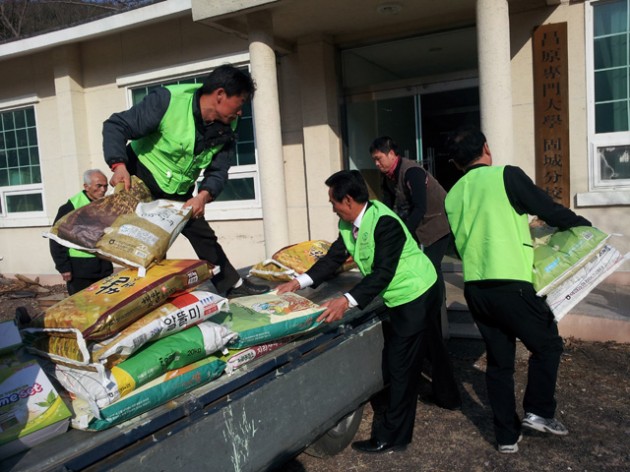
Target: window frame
601,192
216,211
25,218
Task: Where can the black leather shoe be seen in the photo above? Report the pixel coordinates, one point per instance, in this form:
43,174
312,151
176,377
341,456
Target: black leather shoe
374,446
247,288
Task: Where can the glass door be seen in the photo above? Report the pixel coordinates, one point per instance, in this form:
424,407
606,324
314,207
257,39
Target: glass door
418,123
393,117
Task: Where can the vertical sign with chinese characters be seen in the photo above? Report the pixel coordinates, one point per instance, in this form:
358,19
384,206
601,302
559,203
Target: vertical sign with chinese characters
551,110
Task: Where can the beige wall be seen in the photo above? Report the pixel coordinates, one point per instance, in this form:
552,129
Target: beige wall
85,76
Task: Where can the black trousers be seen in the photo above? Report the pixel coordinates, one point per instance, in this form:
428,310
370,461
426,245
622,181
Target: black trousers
443,386
504,311
76,284
204,242
201,236
395,407
86,271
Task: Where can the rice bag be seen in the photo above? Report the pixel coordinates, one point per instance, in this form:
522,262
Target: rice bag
569,264
293,260
564,293
113,303
104,386
176,315
85,226
126,227
263,318
237,358
150,395
562,251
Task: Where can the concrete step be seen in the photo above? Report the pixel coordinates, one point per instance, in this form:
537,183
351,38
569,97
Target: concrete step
603,315
462,325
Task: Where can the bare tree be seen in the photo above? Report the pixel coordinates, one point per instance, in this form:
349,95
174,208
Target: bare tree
23,18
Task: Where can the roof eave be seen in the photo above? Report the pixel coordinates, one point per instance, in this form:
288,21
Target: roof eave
99,28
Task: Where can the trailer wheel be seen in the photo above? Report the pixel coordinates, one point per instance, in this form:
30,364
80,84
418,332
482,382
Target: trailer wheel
337,438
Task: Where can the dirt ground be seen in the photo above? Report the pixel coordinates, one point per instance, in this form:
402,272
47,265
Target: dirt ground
593,402
593,395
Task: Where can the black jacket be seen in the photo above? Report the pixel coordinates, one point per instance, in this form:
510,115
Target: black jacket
144,118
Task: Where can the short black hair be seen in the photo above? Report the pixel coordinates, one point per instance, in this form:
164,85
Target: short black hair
233,80
465,145
384,144
350,183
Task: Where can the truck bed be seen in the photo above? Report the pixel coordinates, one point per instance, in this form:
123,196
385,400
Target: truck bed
255,419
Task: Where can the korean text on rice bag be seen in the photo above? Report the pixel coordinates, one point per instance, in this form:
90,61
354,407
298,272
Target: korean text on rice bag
113,303
175,315
141,238
237,358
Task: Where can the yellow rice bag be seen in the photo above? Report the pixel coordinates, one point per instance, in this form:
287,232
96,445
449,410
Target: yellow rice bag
111,304
291,261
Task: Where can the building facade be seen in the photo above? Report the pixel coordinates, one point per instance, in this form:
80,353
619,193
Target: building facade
331,75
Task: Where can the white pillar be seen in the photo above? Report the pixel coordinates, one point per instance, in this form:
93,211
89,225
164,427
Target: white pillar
266,107
495,78
71,115
321,130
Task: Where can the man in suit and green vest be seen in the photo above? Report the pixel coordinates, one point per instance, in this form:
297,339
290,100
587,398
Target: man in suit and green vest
174,134
80,269
488,212
395,268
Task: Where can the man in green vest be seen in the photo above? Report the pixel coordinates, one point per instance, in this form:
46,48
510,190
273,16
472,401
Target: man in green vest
80,269
173,135
396,269
488,212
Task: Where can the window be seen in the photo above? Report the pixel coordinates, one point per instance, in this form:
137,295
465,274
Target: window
241,195
610,92
21,190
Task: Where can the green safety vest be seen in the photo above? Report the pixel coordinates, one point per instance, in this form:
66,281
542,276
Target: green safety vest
493,240
169,152
415,273
79,200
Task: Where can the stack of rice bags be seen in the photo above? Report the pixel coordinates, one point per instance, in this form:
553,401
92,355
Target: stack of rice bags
134,340
126,331
130,328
